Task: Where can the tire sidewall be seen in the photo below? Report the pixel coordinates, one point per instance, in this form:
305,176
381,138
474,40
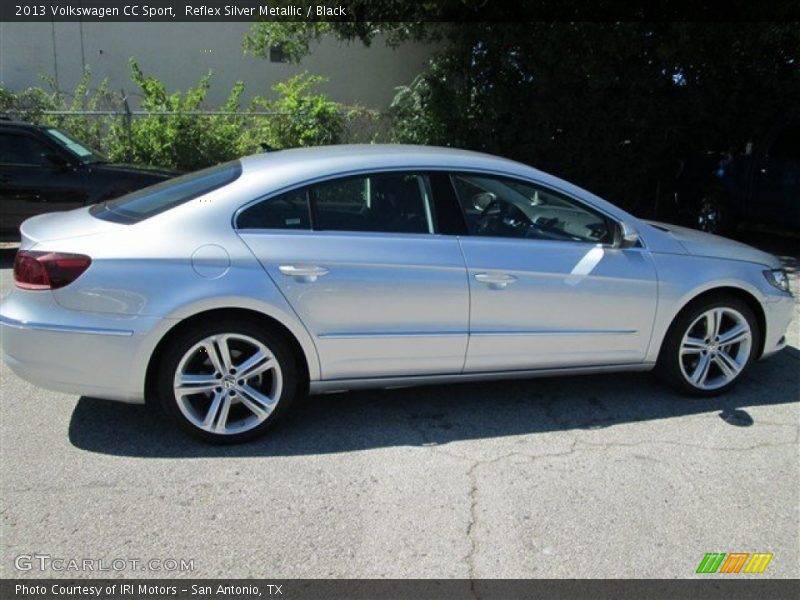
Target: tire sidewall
184,340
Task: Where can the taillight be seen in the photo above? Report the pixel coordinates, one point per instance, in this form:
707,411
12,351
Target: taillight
48,270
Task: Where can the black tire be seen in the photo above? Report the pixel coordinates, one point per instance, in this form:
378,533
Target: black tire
672,366
285,379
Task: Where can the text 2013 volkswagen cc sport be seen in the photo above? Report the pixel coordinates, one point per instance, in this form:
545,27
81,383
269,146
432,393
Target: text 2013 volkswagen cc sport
227,292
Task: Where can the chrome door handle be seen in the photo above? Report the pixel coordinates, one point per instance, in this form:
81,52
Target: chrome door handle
495,280
305,273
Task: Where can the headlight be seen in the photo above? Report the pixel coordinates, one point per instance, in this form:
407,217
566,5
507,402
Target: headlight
778,279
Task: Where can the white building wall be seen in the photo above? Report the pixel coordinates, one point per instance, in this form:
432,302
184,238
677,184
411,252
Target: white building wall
180,53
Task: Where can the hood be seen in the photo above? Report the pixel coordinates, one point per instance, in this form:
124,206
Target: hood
135,170
699,243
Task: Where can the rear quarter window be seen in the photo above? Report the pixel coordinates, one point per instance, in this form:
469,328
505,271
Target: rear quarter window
150,201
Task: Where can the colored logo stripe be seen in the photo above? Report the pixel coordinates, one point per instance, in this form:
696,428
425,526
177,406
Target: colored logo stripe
758,562
710,562
734,562
714,562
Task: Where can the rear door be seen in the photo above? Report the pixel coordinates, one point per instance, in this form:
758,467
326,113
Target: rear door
362,263
548,290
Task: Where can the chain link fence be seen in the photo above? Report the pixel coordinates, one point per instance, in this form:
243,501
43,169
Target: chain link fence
188,139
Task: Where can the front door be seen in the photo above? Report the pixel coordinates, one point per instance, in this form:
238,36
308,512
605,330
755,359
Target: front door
547,288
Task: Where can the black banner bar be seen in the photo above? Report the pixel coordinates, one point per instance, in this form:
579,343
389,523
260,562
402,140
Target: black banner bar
715,587
411,10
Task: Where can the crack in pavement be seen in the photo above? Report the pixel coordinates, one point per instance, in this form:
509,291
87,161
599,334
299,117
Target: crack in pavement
472,496
419,425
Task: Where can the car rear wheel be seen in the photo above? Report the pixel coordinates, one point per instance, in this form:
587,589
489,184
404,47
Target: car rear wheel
709,346
227,382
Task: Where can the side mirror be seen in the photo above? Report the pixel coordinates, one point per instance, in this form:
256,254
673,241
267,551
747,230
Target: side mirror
625,236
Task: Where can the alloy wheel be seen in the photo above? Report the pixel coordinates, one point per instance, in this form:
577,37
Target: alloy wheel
715,348
228,383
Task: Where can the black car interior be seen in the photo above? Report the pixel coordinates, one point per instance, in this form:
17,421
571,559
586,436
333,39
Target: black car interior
503,208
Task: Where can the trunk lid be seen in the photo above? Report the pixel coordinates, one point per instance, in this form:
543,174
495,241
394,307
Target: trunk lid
62,225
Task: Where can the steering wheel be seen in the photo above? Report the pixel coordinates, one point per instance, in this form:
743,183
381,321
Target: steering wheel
501,214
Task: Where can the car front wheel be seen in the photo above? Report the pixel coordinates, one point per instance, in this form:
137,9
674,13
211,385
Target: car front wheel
709,346
227,382
711,214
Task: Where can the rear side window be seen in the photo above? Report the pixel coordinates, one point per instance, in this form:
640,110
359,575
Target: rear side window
286,211
381,202
385,202
147,202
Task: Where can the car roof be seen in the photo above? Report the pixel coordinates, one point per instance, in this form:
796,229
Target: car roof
7,122
368,156
286,168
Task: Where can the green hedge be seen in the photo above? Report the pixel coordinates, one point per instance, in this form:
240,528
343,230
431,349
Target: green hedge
171,137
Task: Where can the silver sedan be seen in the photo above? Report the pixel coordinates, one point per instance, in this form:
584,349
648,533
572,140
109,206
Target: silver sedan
226,293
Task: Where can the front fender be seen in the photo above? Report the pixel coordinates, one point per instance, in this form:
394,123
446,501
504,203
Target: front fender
682,278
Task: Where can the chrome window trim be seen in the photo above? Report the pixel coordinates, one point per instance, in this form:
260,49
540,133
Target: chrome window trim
449,170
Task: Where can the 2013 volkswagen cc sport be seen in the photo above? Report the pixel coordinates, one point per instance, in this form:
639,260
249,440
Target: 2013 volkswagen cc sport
226,293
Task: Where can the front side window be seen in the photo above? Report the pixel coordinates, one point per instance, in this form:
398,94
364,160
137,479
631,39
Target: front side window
25,150
383,202
147,202
504,207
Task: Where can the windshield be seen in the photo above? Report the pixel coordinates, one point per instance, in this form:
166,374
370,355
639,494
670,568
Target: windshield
147,202
85,154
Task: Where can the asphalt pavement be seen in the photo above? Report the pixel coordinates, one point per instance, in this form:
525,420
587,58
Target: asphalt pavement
601,476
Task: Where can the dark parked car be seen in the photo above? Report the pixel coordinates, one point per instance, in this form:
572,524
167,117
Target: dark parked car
44,170
761,185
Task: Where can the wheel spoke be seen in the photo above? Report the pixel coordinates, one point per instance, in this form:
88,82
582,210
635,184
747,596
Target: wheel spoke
729,367
701,370
713,322
692,345
258,363
195,384
213,411
257,402
735,335
221,342
222,419
210,347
